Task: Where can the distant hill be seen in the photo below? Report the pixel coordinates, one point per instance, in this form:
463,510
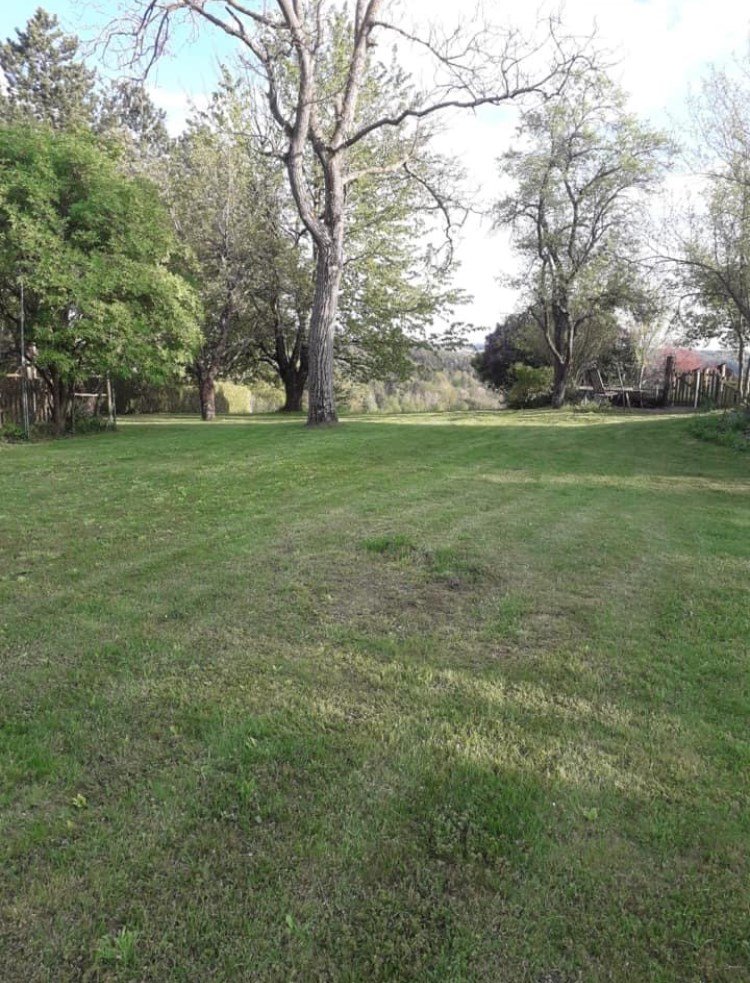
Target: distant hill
442,380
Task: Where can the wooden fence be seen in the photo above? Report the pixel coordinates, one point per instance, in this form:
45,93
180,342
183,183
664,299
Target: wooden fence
11,401
711,387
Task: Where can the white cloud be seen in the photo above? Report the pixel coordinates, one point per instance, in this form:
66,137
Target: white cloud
177,104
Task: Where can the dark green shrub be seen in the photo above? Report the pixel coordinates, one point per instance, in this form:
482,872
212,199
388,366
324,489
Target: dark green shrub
730,429
12,433
532,386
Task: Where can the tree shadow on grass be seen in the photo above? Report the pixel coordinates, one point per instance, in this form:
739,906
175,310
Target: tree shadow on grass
403,777
428,828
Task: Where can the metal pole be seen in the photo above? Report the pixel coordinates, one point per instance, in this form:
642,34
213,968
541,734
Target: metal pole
24,379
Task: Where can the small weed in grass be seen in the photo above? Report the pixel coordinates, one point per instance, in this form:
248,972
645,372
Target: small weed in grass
453,567
471,815
394,547
508,622
118,948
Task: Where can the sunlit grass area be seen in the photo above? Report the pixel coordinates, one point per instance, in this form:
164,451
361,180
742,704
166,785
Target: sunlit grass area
416,698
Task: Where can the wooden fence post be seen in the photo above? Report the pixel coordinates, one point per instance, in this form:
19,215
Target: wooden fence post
721,374
668,398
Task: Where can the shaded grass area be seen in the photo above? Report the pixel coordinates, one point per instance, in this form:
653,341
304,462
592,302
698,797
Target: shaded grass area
455,697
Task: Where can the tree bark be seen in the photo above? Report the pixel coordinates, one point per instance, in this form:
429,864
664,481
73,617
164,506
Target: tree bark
559,384
741,371
294,388
207,395
292,366
322,403
561,349
61,402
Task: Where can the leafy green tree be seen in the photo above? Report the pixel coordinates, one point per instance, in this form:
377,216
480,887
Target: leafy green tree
715,296
580,184
94,251
618,359
531,386
231,206
397,283
127,115
45,78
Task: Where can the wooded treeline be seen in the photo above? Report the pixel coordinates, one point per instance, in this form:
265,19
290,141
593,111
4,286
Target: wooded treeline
300,230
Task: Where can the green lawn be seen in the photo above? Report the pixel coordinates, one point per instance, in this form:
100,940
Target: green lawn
457,697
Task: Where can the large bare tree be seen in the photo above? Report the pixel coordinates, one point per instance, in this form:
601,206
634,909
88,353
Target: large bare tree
575,210
313,94
708,242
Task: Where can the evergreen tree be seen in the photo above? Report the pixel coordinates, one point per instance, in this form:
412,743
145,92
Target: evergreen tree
45,79
128,114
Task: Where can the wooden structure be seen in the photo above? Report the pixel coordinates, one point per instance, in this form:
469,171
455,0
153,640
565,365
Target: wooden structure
713,387
708,388
620,394
99,399
11,400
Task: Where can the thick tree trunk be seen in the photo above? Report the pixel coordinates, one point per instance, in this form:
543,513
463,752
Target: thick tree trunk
560,345
207,395
61,402
292,367
559,384
742,374
294,387
322,404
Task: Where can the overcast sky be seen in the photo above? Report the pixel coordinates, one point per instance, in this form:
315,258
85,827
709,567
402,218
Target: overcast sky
662,46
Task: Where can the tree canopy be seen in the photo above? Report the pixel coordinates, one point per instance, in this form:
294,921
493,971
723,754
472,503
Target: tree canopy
45,78
314,58
575,209
95,252
709,247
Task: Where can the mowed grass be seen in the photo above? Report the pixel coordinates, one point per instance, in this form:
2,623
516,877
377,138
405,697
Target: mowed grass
458,697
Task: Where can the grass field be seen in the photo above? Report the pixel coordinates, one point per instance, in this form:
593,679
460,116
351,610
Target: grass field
418,698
